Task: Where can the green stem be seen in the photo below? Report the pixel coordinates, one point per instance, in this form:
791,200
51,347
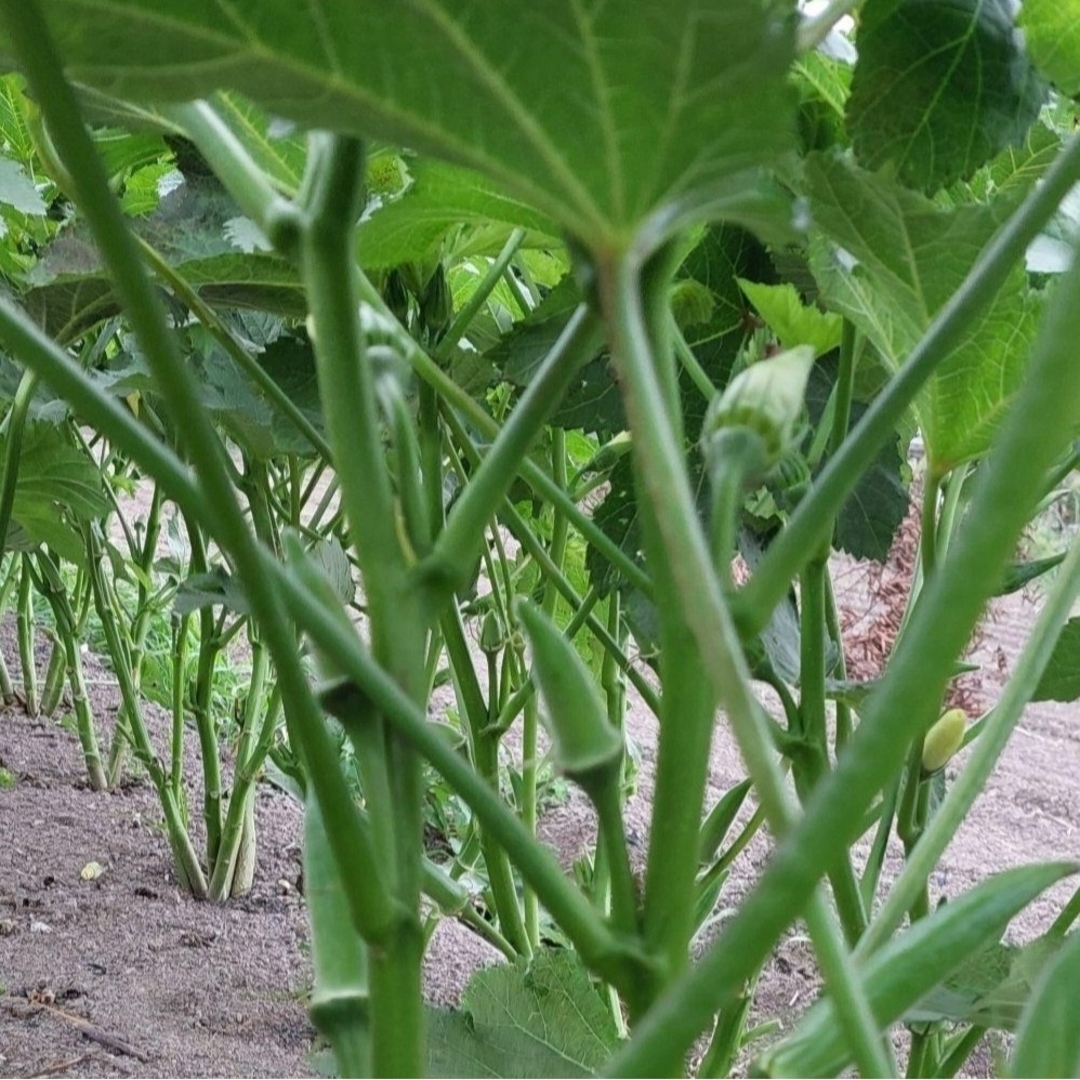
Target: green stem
530,728
535,549
832,622
984,754
958,1051
53,689
250,752
347,391
14,424
484,747
917,1054
582,925
690,363
472,306
244,180
180,636
49,582
213,499
624,905
812,520
450,563
928,536
812,764
1034,433
25,630
186,862
202,704
696,592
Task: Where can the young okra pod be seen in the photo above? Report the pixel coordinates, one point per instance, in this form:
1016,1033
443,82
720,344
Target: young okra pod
586,747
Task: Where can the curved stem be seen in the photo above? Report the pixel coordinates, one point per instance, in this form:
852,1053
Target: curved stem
213,497
450,562
1043,418
697,593
810,524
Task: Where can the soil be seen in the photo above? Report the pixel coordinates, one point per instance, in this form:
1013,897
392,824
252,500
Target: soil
124,975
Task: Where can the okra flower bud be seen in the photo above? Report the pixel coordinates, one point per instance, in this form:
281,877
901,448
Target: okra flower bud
492,637
765,399
943,740
586,747
437,304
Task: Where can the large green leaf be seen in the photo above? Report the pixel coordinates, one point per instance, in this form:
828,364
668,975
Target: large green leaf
1061,679
596,113
544,1018
445,202
940,87
194,229
897,259
1052,29
58,488
872,513
1049,1040
911,965
17,190
992,987
279,152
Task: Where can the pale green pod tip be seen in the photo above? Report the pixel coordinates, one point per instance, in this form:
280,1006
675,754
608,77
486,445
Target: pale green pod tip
585,743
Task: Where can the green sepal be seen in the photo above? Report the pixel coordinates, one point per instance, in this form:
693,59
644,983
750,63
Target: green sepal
765,399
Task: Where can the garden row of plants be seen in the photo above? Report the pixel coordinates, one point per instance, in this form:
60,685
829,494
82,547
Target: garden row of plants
473,345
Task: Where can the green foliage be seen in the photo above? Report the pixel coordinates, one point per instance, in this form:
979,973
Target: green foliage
898,259
58,489
542,1018
445,207
618,134
792,321
583,223
912,964
936,114
1048,1044
1053,39
1061,680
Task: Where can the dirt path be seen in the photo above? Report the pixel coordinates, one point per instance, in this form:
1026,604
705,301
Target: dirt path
124,976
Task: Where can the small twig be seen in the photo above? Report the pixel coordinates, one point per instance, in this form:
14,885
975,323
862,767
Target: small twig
98,1035
58,1067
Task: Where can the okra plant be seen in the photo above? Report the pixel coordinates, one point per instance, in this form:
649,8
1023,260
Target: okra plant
711,264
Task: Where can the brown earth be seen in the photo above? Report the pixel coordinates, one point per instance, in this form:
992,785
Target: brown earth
126,976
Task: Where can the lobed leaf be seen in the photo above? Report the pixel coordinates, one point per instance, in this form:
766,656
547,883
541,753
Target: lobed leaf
654,105
898,259
940,87
544,1018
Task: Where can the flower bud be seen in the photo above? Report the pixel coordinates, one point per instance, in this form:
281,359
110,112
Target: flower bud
766,399
943,740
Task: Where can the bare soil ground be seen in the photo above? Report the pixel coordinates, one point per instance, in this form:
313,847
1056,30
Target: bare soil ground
125,976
